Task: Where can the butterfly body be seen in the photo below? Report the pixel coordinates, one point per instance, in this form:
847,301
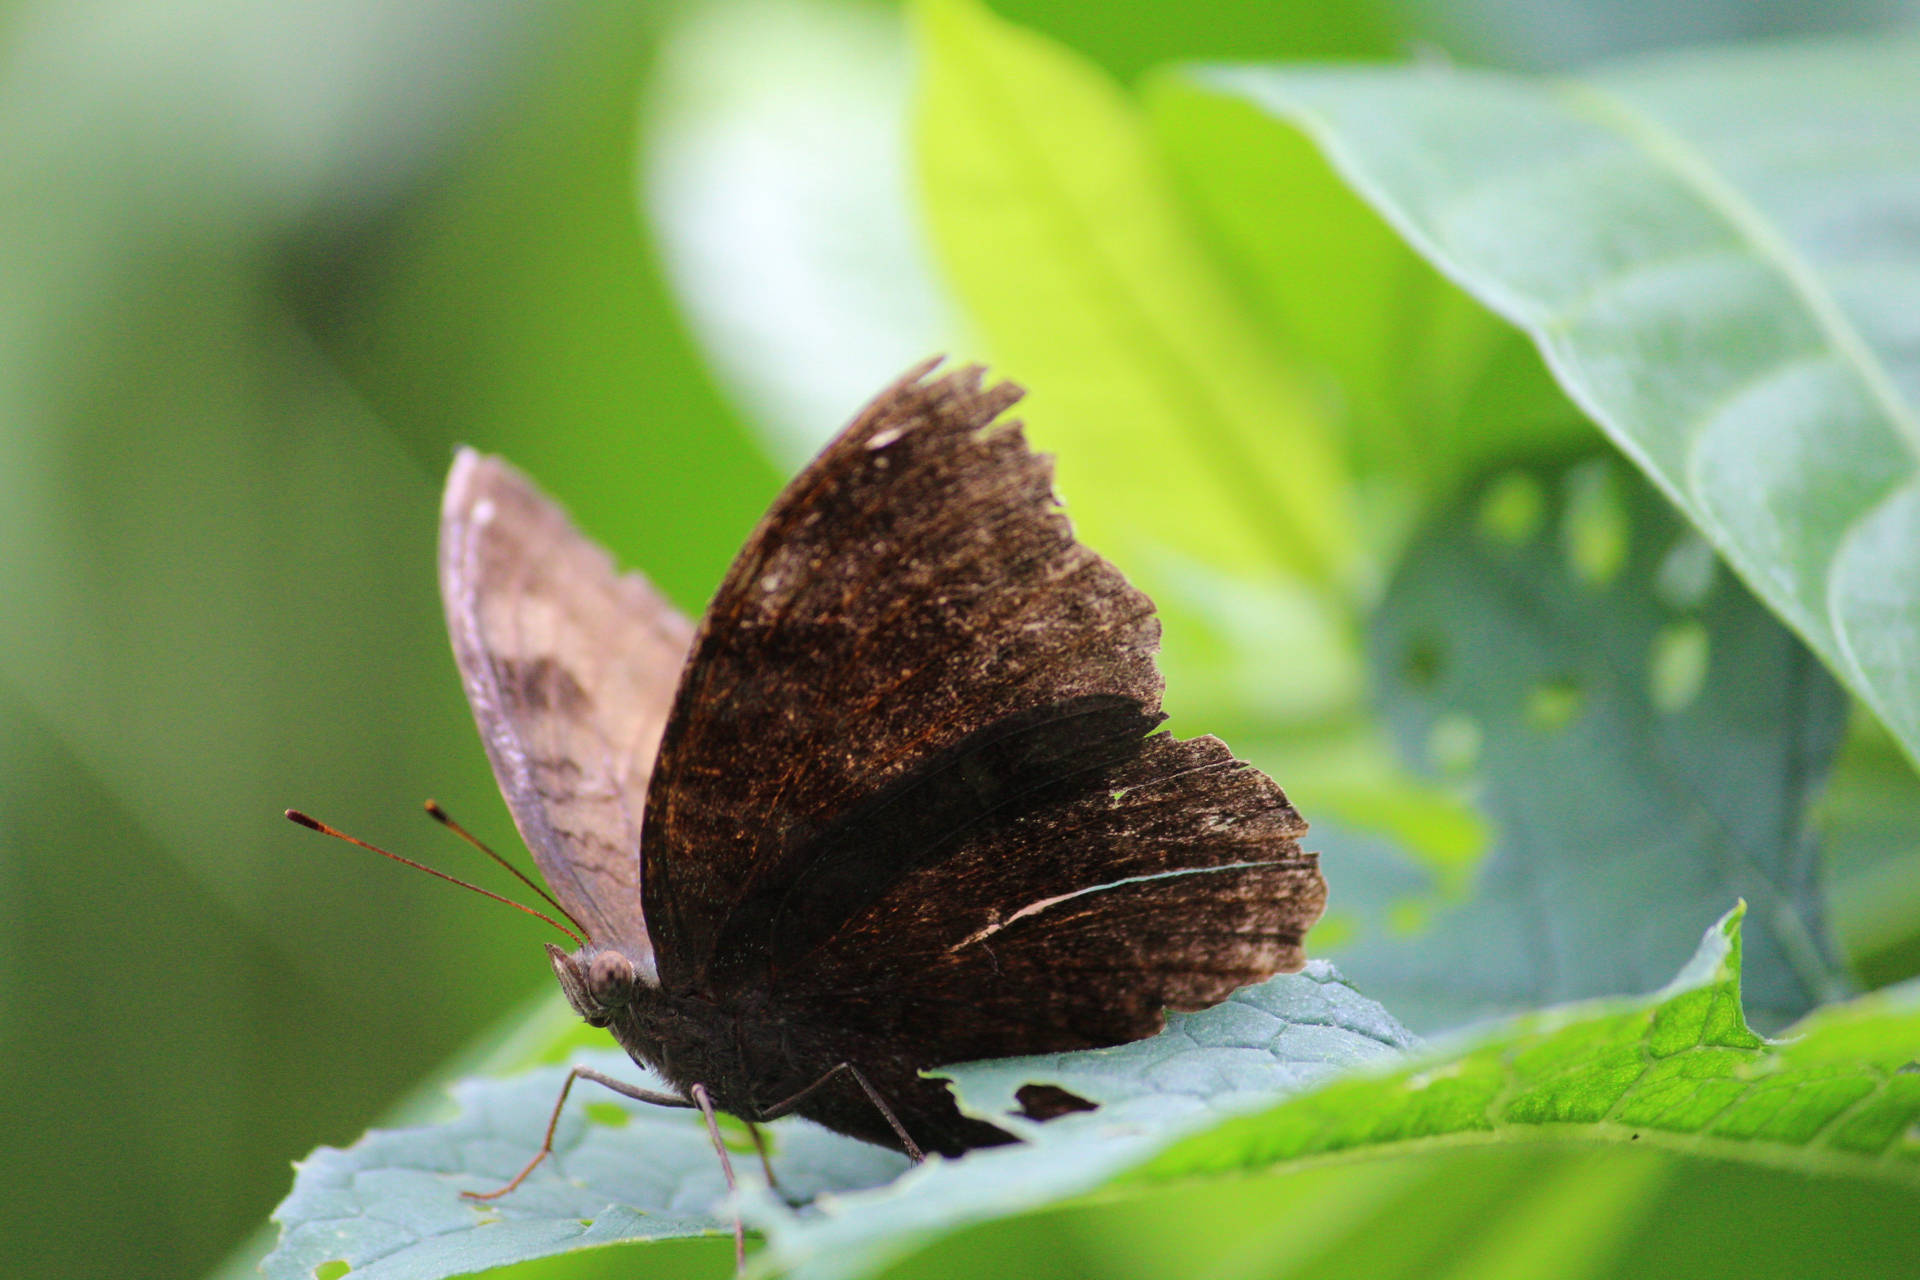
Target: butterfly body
898,802
752,1058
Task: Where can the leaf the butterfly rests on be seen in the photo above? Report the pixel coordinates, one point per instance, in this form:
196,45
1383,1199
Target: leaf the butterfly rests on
906,803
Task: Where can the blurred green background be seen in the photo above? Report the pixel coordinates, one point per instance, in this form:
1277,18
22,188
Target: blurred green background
263,267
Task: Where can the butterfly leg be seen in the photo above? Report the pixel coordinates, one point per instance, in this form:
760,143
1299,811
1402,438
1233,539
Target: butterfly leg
702,1100
553,1122
760,1145
911,1147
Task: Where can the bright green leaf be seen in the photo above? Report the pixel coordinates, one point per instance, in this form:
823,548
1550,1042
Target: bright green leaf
1511,1211
1431,387
1680,1069
1059,231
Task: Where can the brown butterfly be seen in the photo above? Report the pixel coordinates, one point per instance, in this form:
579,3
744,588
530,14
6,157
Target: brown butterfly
897,803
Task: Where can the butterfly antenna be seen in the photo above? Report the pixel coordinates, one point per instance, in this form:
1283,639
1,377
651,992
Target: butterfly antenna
445,819
314,824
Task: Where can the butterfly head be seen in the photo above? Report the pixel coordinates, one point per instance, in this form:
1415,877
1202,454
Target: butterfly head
598,982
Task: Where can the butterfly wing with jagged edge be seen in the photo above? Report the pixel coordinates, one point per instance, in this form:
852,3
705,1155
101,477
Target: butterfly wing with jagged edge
910,786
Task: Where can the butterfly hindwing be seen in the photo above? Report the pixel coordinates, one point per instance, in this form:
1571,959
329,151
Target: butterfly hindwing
570,668
1166,881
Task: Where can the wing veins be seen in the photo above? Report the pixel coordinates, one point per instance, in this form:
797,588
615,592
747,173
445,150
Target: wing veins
1036,907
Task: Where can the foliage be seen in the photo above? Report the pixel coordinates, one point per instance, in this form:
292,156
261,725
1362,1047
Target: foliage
390,1206
1296,1070
1711,252
1568,738
1643,756
1598,369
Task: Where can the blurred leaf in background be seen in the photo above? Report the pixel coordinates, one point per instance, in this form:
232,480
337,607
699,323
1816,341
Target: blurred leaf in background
1642,761
265,265
203,615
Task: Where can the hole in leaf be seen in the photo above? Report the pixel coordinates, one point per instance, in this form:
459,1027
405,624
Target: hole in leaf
331,1270
1909,1069
1677,666
1685,576
1048,1101
1512,508
1594,530
1453,744
1552,706
1422,664
611,1114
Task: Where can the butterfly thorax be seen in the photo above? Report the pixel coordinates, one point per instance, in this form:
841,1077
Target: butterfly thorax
746,1059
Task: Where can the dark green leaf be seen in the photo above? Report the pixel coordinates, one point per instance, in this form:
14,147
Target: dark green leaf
1641,735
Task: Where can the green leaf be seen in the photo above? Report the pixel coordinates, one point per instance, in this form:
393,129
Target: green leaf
1680,1069
1432,386
1058,230
1265,1041
1641,735
1541,35
1871,855
1713,251
390,1205
1513,1211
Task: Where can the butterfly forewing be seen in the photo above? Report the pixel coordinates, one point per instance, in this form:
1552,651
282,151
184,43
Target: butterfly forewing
917,711
570,668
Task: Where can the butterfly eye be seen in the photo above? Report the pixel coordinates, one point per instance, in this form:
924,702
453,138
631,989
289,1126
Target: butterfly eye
611,980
